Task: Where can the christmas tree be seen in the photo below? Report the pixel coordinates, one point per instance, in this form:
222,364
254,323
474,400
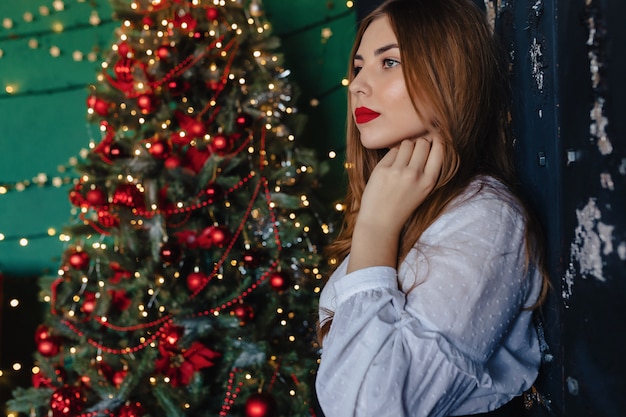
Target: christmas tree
189,281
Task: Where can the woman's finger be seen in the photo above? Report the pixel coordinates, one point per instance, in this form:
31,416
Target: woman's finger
405,152
432,168
420,154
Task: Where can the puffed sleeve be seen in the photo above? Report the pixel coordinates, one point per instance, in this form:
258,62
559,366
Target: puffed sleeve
380,361
389,354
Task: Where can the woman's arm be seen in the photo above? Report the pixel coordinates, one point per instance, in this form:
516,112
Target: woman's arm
398,185
424,355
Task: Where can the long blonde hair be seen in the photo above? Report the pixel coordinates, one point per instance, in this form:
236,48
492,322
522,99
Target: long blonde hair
455,71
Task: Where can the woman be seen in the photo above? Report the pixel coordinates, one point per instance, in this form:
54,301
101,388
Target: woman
429,312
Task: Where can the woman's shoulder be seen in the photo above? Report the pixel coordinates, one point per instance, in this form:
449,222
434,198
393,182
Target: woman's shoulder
486,204
486,192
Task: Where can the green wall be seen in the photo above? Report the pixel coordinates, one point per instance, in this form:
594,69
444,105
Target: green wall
43,124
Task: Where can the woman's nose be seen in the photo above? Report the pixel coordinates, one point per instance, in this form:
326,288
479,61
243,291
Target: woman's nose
359,84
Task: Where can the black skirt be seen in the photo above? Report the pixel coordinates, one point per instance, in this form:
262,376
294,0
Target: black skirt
514,408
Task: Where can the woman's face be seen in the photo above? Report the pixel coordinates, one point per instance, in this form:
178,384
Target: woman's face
380,103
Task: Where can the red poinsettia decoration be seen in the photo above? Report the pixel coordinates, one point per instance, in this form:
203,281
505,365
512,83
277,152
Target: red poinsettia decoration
118,273
179,365
120,300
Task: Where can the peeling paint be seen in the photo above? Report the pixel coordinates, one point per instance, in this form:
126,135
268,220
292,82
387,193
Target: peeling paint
607,181
592,240
536,60
621,251
599,121
597,128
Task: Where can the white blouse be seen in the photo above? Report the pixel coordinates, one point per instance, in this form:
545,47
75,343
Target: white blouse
447,333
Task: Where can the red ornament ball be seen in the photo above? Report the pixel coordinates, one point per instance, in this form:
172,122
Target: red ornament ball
48,347
160,149
79,259
279,281
172,334
170,253
243,120
98,105
41,333
66,402
220,144
147,103
212,13
96,197
195,280
118,377
115,151
260,405
123,49
252,258
196,129
89,303
172,162
163,52
131,410
220,235
214,192
244,312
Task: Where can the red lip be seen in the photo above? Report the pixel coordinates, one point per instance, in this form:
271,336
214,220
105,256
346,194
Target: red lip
364,115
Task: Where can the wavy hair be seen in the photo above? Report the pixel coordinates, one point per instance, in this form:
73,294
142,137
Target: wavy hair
456,75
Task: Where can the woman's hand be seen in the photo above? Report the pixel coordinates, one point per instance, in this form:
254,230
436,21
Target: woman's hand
401,181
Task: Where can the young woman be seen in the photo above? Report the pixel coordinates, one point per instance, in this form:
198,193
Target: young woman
429,312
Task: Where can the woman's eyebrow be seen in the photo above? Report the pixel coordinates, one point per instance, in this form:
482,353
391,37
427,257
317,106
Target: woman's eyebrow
380,50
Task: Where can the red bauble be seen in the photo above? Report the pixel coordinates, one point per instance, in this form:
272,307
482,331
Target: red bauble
185,22
123,49
220,144
163,52
178,87
98,105
279,281
48,347
212,13
260,405
252,258
172,162
220,235
160,149
41,333
66,402
213,236
195,280
170,253
131,410
244,312
147,103
89,303
196,129
214,192
115,151
96,197
79,259
118,377
243,120
171,335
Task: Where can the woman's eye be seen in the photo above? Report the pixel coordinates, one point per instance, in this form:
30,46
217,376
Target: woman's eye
356,70
389,63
